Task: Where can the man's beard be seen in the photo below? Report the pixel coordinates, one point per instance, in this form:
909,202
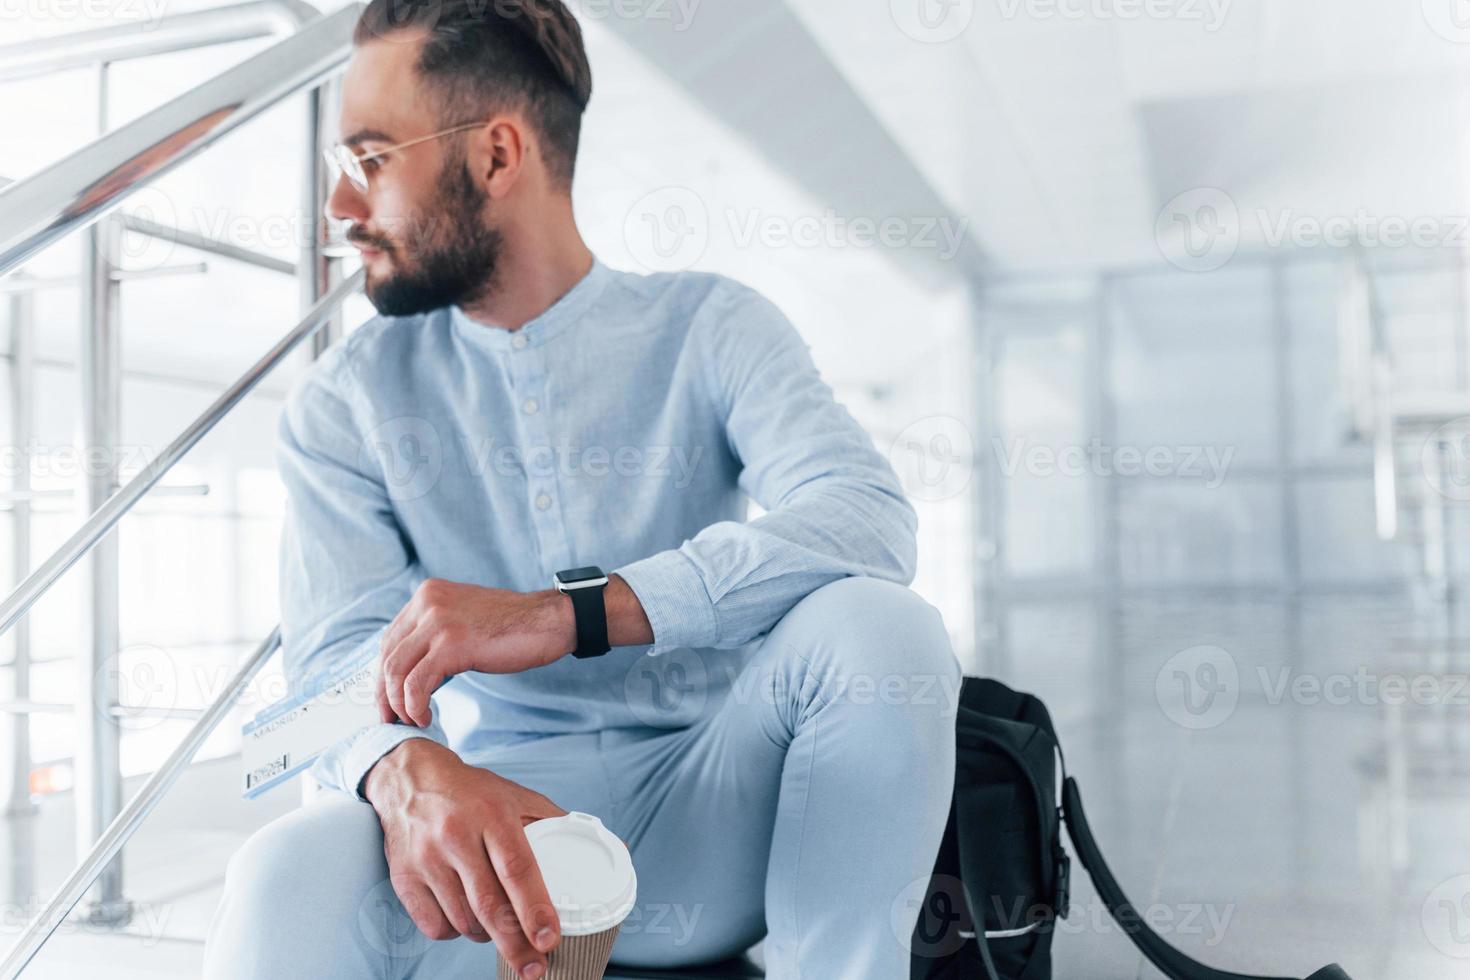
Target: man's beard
456,264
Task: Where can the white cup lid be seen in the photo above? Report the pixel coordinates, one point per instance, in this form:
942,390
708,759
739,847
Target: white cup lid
587,870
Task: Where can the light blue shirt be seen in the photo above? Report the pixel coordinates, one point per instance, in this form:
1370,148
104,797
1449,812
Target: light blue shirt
627,427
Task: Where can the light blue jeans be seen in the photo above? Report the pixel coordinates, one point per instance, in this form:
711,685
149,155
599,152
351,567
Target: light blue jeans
805,807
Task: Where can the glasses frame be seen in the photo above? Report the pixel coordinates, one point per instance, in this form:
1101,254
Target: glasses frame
342,160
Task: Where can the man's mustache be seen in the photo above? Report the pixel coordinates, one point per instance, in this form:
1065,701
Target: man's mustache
358,237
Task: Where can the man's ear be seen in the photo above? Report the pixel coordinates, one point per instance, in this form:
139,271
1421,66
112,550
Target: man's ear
498,155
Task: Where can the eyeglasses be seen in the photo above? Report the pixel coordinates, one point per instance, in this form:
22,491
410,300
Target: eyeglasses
342,161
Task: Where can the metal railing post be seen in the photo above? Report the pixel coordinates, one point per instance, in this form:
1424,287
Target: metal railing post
98,790
15,764
318,271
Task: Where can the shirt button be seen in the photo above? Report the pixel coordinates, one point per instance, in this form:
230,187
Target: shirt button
519,342
543,502
531,407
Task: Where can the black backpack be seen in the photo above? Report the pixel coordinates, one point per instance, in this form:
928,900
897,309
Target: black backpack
1002,859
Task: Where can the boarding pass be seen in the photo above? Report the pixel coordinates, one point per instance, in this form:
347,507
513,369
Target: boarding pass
287,737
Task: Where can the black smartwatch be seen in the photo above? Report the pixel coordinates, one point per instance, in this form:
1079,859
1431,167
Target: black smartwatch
584,586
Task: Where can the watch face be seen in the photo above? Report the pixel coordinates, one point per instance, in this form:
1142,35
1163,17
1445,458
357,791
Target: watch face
574,575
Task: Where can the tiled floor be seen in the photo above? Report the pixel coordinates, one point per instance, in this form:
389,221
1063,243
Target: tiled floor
1293,829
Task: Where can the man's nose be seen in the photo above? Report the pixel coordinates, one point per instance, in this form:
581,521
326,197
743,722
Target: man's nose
346,203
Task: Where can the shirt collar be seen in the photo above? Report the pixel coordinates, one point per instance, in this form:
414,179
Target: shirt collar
565,311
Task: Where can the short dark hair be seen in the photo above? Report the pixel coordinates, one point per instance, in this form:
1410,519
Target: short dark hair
483,55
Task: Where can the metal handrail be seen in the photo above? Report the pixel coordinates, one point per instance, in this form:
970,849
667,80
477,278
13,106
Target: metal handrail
81,188
211,246
178,32
192,240
29,707
39,930
116,507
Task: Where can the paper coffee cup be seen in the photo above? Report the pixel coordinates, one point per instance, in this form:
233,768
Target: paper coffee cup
589,876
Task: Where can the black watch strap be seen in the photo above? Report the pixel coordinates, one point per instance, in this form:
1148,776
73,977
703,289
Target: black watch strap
591,613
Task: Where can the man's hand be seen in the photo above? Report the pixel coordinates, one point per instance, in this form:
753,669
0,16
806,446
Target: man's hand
448,628
457,852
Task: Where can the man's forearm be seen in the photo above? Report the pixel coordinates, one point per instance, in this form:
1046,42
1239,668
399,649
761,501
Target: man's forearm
627,625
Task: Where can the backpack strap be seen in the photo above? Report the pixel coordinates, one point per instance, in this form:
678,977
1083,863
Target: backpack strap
984,946
1169,960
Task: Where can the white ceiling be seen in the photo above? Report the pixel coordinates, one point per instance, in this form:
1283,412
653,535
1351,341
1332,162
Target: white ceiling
1063,137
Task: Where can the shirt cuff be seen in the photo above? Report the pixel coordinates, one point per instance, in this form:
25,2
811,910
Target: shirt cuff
370,745
675,600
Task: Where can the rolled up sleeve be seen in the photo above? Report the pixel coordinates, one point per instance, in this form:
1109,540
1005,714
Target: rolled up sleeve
834,506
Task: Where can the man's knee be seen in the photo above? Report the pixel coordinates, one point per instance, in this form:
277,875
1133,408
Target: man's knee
878,653
310,887
874,659
878,629
291,852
